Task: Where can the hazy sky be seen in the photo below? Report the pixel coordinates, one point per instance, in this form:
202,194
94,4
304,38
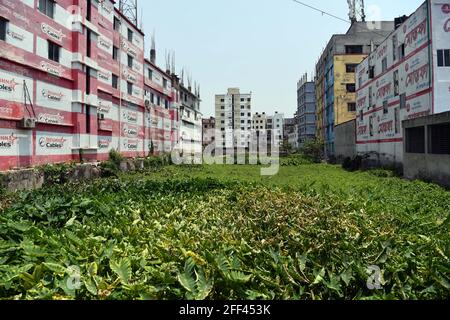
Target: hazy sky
262,46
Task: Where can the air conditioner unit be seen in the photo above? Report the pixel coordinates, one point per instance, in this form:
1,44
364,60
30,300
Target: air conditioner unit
28,123
101,116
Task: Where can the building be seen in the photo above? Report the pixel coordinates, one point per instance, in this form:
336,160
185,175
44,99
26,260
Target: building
74,84
209,130
161,99
289,126
275,127
335,76
407,78
233,119
190,121
306,112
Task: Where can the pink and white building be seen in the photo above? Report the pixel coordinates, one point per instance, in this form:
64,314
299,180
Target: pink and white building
406,77
74,83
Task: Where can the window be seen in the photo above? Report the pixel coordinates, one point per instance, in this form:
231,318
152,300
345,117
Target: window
47,7
130,88
384,65
88,43
396,84
152,98
150,74
415,140
130,62
443,58
248,100
222,100
88,80
165,83
88,119
222,114
53,51
115,53
397,120
242,99
440,139
354,49
394,45
116,24
351,107
403,101
350,87
350,68
242,114
115,81
385,107
158,101
222,107
361,115
3,28
88,10
130,35
370,97
371,72
401,51
166,104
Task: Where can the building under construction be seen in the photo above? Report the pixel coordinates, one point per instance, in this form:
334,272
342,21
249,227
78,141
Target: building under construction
74,84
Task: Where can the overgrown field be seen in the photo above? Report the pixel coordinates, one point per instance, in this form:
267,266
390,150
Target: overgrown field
224,232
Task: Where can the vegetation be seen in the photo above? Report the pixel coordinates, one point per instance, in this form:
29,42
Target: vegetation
313,150
225,232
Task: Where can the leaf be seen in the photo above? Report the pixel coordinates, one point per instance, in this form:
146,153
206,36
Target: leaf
319,276
90,286
55,268
122,268
347,276
71,221
93,269
187,281
204,286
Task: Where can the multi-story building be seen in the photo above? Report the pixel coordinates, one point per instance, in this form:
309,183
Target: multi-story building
233,119
190,122
209,131
72,85
406,77
259,122
161,100
275,127
306,111
335,76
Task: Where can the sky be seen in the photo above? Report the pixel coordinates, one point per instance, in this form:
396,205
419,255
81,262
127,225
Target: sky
260,46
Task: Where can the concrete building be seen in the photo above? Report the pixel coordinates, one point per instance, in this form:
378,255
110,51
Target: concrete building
209,130
427,148
233,119
345,141
306,111
405,78
335,76
190,122
289,126
275,126
74,84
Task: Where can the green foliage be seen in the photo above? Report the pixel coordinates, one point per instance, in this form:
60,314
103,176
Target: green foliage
197,232
56,173
313,150
294,160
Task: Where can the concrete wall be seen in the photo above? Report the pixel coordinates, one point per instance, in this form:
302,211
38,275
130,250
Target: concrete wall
427,166
346,140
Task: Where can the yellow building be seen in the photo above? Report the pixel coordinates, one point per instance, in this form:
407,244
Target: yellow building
344,87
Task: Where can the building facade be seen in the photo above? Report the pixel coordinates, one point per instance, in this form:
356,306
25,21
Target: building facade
406,77
306,111
335,76
190,122
209,131
233,119
74,85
